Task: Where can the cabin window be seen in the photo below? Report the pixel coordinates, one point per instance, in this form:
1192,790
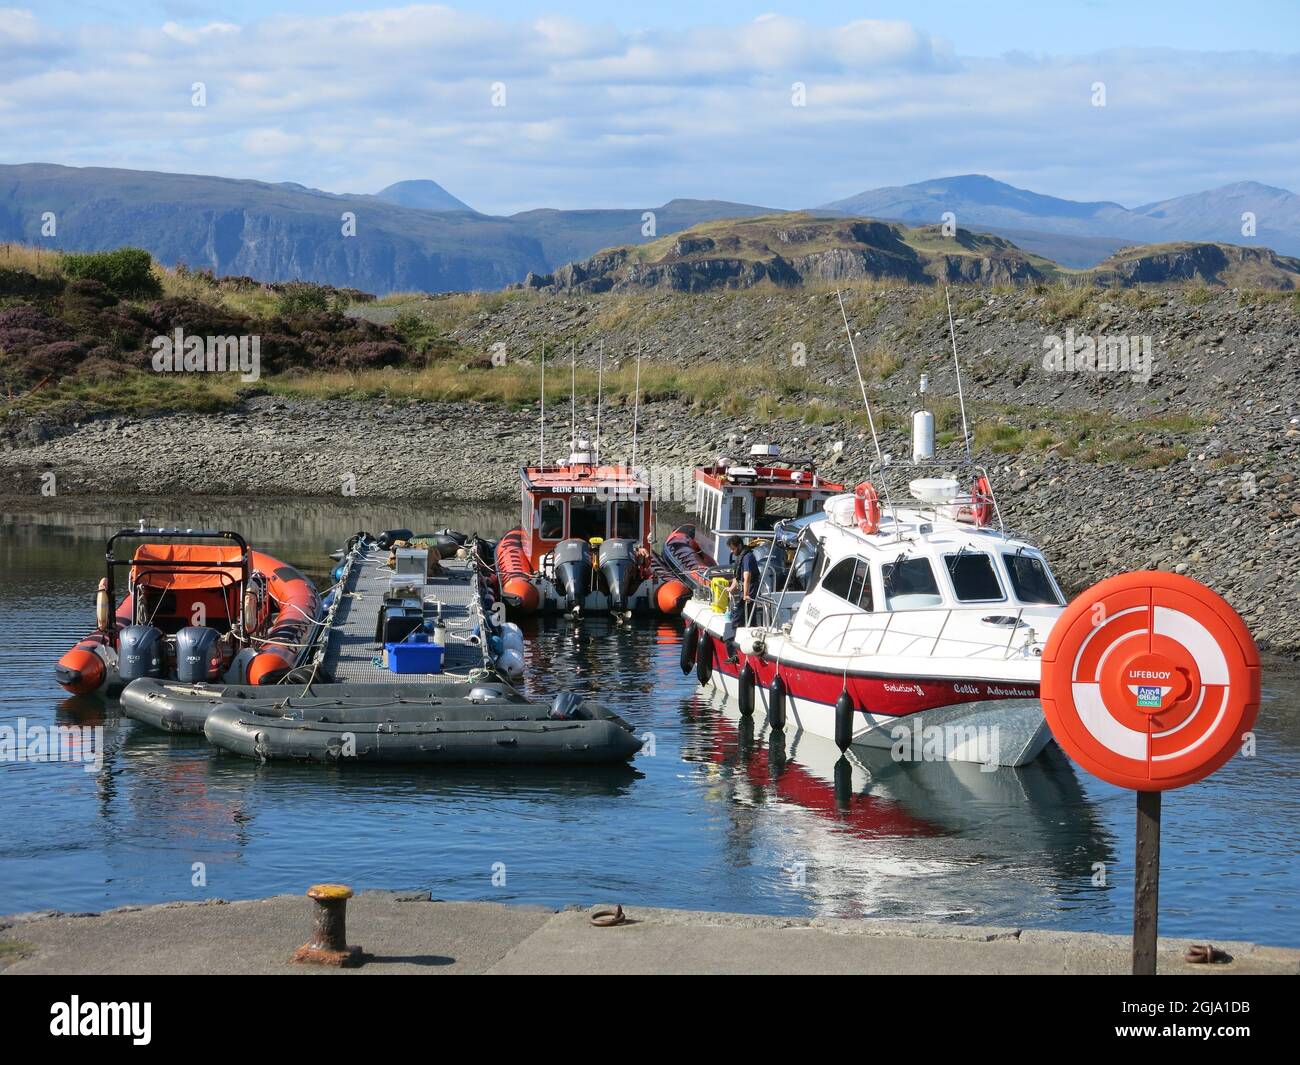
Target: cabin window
726,513
627,520
910,584
1031,580
552,519
850,579
768,510
973,577
586,517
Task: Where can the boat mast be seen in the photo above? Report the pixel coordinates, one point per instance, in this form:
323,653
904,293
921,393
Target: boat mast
871,421
600,380
636,402
956,365
541,461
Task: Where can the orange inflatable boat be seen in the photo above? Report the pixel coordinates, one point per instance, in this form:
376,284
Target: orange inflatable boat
199,606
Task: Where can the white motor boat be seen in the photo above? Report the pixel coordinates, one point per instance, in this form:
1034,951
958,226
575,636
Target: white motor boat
919,628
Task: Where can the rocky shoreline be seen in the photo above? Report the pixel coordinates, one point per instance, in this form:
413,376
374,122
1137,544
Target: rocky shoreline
1228,514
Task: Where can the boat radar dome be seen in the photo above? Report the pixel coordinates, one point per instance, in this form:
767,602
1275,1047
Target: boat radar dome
581,454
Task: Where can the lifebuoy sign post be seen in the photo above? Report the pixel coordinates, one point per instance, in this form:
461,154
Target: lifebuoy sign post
1150,681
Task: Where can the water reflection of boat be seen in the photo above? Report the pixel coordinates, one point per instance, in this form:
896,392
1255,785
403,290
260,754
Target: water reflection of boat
877,837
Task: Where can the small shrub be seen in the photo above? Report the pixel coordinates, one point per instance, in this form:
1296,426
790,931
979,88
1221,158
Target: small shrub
298,299
128,272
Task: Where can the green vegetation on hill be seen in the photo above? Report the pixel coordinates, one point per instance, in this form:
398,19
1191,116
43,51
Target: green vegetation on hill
73,345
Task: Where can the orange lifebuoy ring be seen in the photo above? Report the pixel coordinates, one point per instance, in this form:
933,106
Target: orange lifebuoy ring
981,498
1150,681
866,507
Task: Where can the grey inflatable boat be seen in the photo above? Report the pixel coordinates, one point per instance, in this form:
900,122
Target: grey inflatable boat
452,723
569,731
174,706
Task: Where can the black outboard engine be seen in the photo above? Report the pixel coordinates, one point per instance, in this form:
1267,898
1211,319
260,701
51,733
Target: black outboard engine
573,570
565,707
617,560
139,652
198,654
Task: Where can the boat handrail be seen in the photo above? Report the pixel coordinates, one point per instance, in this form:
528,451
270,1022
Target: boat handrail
884,630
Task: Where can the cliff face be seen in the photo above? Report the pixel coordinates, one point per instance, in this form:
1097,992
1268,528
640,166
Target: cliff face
1216,264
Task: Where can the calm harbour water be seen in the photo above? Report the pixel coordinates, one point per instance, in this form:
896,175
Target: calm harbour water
717,818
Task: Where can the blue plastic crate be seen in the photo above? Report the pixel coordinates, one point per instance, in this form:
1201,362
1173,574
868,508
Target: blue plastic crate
415,655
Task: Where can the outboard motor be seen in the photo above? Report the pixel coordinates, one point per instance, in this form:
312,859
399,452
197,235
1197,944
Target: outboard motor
198,654
573,570
618,569
139,652
565,706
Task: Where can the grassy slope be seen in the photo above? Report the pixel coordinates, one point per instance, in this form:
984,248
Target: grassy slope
461,374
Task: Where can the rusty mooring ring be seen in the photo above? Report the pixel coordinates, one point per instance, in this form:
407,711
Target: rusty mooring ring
608,918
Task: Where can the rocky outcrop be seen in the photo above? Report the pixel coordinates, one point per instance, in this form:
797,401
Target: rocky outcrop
1214,264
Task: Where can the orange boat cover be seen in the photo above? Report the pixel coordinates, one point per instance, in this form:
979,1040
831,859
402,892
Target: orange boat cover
224,566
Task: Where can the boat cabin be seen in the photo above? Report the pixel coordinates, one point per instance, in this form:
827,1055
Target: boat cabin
735,497
585,500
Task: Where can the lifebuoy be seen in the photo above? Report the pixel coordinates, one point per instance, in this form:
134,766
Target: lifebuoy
866,507
981,499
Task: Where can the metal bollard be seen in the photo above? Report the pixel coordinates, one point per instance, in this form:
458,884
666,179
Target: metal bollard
329,942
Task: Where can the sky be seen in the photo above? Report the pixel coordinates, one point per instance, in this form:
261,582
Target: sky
519,104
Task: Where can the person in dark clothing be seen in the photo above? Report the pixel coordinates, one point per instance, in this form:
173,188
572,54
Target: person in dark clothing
744,582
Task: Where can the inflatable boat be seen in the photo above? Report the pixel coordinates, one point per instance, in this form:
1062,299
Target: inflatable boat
485,725
409,662
586,544
199,606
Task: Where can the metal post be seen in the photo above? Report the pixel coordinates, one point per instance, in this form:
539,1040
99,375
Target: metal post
1146,883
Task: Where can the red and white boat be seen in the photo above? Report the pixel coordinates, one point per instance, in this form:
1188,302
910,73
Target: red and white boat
919,628
743,498
585,545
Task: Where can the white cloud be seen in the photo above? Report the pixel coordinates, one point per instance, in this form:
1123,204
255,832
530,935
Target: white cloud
596,116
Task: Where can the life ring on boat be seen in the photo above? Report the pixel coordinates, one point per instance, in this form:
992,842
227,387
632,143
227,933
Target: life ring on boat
981,498
866,507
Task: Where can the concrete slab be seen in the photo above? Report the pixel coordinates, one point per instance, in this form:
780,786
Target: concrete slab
407,933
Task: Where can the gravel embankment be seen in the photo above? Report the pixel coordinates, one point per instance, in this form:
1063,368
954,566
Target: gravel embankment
1228,515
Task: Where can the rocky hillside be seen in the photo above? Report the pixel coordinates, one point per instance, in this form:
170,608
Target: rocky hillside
801,249
1192,468
791,249
1214,264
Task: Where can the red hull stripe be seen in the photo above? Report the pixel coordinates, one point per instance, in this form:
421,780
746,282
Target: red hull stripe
891,696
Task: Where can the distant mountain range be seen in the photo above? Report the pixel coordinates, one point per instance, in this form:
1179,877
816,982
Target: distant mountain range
414,235
1033,221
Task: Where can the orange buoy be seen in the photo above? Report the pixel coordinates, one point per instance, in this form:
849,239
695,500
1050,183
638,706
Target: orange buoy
1150,681
671,596
866,507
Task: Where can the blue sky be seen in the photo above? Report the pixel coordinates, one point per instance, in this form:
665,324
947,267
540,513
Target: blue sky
632,105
